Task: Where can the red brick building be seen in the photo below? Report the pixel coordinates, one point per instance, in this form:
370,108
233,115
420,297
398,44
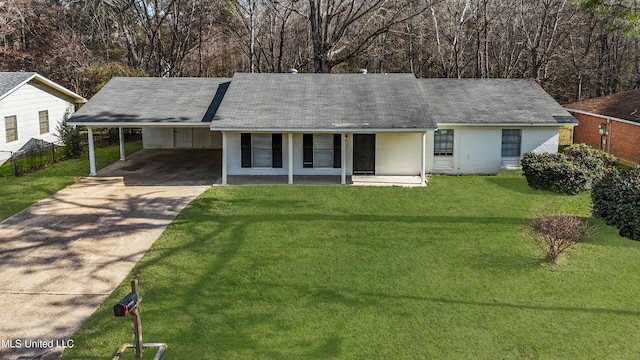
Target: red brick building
610,123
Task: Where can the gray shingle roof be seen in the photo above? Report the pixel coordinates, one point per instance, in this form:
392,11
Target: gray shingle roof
9,80
329,102
324,102
148,101
493,101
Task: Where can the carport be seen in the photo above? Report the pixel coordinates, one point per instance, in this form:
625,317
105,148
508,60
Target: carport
173,113
167,167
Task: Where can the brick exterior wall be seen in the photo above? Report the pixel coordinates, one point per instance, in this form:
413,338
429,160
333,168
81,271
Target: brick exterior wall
623,140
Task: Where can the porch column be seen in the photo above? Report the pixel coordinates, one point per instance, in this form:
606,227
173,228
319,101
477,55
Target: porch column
92,155
343,158
290,155
121,136
224,158
424,160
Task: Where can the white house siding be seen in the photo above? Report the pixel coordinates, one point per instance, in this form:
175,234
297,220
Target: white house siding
540,139
157,138
478,150
234,158
164,138
299,169
234,166
25,103
396,154
399,153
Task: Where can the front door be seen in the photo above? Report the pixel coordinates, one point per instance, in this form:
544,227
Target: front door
364,153
183,137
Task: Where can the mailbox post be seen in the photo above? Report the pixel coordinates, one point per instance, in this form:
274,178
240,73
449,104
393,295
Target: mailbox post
130,304
137,323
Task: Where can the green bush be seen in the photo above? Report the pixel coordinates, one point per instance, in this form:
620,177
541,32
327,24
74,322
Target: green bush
554,172
594,161
70,136
616,199
571,172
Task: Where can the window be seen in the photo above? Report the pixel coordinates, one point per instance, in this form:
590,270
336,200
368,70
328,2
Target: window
44,121
11,128
511,140
321,150
261,150
443,142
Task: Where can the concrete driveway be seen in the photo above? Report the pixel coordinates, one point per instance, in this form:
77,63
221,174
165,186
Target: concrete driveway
62,257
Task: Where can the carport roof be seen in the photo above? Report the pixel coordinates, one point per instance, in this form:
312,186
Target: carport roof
324,102
143,102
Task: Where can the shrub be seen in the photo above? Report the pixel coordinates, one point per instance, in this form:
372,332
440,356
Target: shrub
571,172
596,162
557,233
616,199
554,172
70,136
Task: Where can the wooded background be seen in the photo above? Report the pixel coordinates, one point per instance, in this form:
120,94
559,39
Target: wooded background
576,49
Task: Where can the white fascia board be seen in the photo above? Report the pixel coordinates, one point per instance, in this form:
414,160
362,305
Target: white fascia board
58,87
50,84
138,125
332,130
503,125
610,118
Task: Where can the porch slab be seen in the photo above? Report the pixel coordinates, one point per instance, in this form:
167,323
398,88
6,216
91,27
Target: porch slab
376,180
357,180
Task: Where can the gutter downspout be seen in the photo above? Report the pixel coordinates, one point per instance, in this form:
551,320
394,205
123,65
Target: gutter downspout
609,135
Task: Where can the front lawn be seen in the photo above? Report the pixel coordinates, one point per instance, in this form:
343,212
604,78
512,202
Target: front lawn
17,193
312,272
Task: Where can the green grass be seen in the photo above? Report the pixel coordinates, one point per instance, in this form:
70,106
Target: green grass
312,272
17,193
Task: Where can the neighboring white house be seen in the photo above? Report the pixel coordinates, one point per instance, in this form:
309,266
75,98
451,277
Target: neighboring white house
31,107
337,124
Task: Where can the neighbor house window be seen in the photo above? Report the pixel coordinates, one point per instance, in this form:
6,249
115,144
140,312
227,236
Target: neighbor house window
443,142
321,150
11,128
44,121
511,141
261,150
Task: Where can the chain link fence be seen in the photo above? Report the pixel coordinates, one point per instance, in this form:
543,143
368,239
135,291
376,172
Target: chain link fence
34,155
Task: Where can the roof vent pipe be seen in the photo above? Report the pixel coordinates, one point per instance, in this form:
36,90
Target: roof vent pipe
293,71
362,71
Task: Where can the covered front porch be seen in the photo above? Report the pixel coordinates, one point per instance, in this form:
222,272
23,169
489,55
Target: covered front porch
293,155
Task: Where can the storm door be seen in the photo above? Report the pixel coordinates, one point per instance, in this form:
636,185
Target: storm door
364,154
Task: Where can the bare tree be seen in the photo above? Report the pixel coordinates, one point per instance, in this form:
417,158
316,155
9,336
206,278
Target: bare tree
343,29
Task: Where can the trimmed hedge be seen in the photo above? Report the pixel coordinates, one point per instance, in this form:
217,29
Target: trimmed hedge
616,199
571,172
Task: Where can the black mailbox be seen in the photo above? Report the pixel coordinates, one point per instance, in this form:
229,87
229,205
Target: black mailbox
124,306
